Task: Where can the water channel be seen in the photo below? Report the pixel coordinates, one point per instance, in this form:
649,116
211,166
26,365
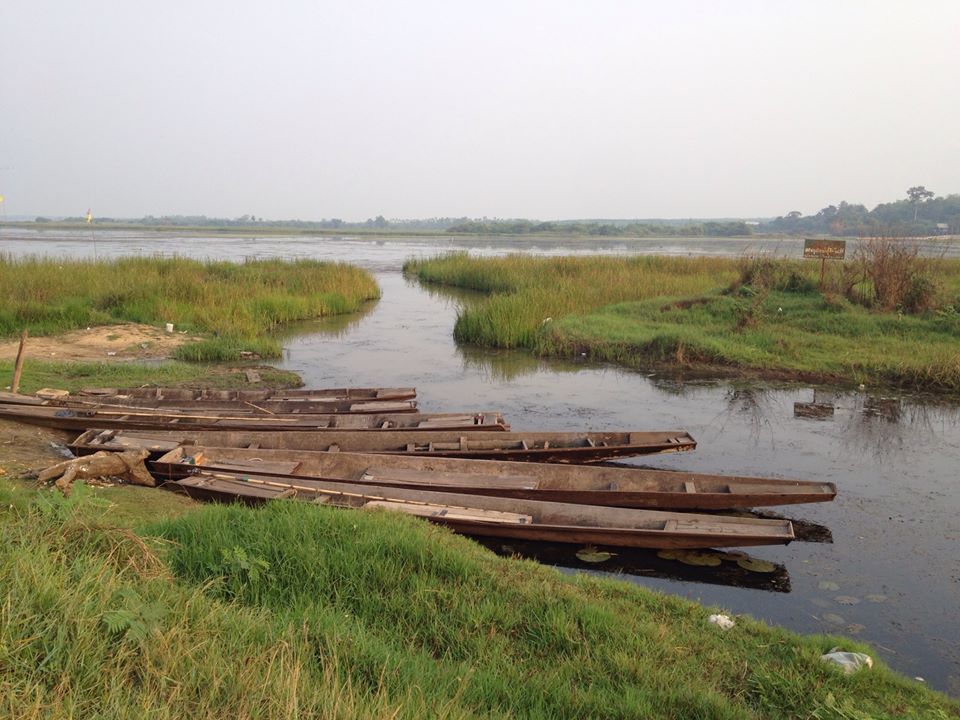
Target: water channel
891,576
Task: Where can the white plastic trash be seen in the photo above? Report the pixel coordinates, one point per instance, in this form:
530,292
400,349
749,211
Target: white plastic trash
849,662
169,327
724,622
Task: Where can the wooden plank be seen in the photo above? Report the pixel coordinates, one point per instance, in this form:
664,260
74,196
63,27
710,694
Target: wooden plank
452,513
396,476
272,468
690,487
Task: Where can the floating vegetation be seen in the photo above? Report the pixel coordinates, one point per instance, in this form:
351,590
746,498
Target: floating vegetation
833,619
699,558
847,600
756,565
855,628
591,554
875,598
828,585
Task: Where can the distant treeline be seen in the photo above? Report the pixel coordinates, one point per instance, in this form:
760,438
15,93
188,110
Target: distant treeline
920,213
709,228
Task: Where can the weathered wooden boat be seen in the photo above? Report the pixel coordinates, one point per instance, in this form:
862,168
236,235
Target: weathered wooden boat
504,517
79,419
269,406
359,394
552,447
585,485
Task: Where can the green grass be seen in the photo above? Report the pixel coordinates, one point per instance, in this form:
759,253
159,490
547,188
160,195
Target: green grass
73,376
644,311
238,304
295,610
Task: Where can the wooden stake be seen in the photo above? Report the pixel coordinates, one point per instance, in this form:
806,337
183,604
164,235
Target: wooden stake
18,367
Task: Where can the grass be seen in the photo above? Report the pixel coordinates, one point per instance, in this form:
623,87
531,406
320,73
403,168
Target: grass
73,376
295,610
644,311
237,304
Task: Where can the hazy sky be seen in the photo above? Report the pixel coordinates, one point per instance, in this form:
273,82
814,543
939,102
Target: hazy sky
310,109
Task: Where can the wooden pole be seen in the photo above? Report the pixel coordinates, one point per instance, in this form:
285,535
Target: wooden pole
18,367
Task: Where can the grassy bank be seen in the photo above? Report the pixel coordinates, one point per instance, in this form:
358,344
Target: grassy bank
237,304
705,312
302,611
74,376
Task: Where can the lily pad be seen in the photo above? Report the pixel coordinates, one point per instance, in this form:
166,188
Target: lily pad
821,602
847,600
669,554
756,565
590,554
855,628
833,619
875,598
699,558
828,585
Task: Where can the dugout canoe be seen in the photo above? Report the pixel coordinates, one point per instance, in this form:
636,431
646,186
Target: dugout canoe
551,447
504,517
585,485
269,406
80,419
359,394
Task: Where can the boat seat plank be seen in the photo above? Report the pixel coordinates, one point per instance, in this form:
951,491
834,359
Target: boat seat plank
451,479
271,467
452,513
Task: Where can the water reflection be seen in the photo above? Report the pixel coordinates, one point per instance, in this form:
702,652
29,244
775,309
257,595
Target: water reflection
772,577
334,326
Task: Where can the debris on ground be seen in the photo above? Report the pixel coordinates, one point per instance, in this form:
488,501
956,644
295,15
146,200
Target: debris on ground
724,622
126,466
849,662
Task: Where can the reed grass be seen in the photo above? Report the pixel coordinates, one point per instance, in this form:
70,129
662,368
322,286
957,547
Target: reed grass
295,610
236,303
683,312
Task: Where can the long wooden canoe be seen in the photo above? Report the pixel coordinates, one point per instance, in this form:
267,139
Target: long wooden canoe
553,447
585,485
270,406
78,419
505,517
358,394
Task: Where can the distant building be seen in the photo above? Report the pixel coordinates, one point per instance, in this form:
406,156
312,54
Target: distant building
943,228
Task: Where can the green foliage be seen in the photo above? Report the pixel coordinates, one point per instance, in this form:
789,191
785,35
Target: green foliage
296,610
754,313
237,303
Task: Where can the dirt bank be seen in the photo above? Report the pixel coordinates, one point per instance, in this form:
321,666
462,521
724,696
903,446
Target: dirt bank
130,341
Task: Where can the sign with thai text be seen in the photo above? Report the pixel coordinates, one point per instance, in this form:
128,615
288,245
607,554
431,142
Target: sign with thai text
825,249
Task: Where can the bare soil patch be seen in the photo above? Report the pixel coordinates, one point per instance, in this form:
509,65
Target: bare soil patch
130,341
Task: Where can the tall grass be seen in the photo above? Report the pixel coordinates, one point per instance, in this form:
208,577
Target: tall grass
296,611
527,293
236,302
764,314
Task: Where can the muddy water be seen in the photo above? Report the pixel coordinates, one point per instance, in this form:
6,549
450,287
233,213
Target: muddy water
891,575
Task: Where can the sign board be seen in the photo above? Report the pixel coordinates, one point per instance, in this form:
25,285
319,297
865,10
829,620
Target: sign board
825,249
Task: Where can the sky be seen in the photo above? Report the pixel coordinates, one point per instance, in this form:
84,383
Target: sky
551,110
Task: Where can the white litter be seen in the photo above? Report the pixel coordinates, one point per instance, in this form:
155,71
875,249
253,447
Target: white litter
724,622
849,662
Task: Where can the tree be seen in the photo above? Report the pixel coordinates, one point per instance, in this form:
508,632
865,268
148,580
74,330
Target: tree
918,194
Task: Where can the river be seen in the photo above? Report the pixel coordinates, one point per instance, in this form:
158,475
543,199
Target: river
890,577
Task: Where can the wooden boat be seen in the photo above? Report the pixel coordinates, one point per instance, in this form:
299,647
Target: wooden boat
358,394
590,485
269,406
79,419
554,447
504,517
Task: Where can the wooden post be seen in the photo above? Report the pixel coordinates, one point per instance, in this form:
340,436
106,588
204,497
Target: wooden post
18,367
